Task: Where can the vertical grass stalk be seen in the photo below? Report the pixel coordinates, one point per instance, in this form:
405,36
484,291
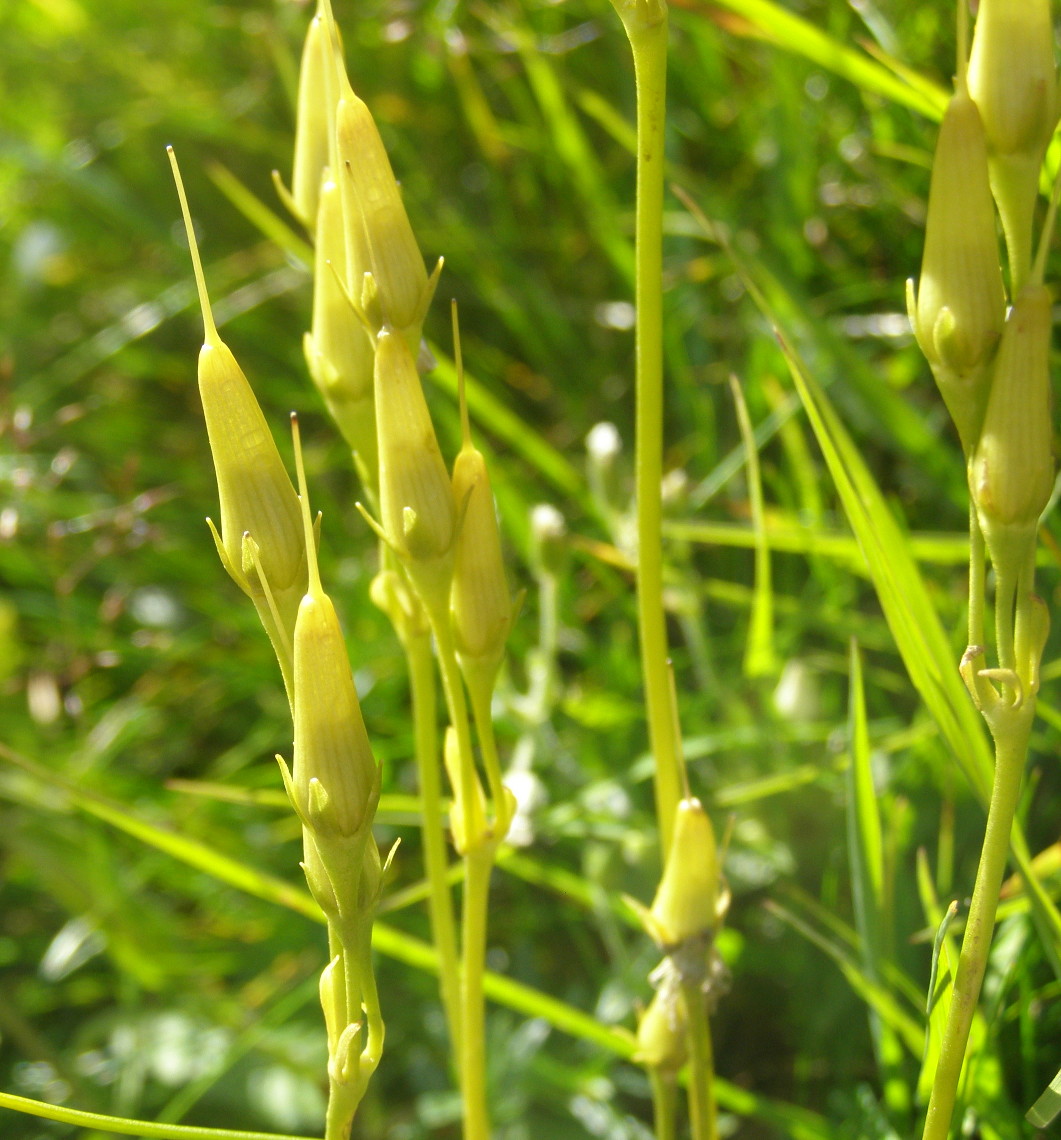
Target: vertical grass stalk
646,27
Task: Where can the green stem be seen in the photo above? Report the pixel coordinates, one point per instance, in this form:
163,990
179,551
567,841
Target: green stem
477,864
484,729
1011,748
701,1091
976,579
664,1104
440,901
646,27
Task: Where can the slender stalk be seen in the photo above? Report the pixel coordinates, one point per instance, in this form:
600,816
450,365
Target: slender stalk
646,26
702,1110
664,1104
484,730
1010,754
477,865
976,578
440,901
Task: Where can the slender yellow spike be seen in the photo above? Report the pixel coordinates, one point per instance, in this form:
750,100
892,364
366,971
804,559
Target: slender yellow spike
209,328
480,605
334,775
254,488
315,587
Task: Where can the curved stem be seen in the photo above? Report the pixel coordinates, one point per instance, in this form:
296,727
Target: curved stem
1010,753
649,43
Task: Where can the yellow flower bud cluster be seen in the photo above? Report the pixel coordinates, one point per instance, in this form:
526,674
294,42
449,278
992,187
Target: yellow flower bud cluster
686,914
991,365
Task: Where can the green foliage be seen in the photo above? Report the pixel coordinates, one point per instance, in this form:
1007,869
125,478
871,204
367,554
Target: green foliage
157,949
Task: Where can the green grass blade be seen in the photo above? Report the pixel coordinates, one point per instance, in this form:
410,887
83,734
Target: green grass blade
864,841
879,997
123,1127
794,34
267,221
760,660
1048,1107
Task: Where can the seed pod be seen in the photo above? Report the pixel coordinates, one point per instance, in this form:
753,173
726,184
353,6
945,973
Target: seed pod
380,238
1012,75
314,119
338,350
1012,471
256,494
416,500
334,775
661,1033
480,604
686,903
960,304
1013,79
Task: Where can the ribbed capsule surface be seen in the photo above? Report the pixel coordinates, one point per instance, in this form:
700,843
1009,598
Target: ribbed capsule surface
255,490
338,350
960,269
375,216
331,744
1012,472
313,120
480,604
686,902
416,499
1012,75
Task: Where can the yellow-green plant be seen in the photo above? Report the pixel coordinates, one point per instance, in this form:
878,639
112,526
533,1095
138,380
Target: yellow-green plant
992,368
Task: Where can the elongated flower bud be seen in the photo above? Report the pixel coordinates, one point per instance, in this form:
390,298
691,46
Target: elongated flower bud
314,120
380,238
661,1034
481,605
686,903
960,304
338,350
256,494
331,744
1013,79
416,500
334,775
1012,471
1012,75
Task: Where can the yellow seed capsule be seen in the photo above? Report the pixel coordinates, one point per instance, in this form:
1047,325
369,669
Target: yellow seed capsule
416,500
1012,471
686,903
380,238
256,494
661,1034
314,119
338,350
334,775
960,304
480,602
331,744
1012,75
1013,79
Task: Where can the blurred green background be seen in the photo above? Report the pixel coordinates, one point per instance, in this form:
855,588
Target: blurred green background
131,984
